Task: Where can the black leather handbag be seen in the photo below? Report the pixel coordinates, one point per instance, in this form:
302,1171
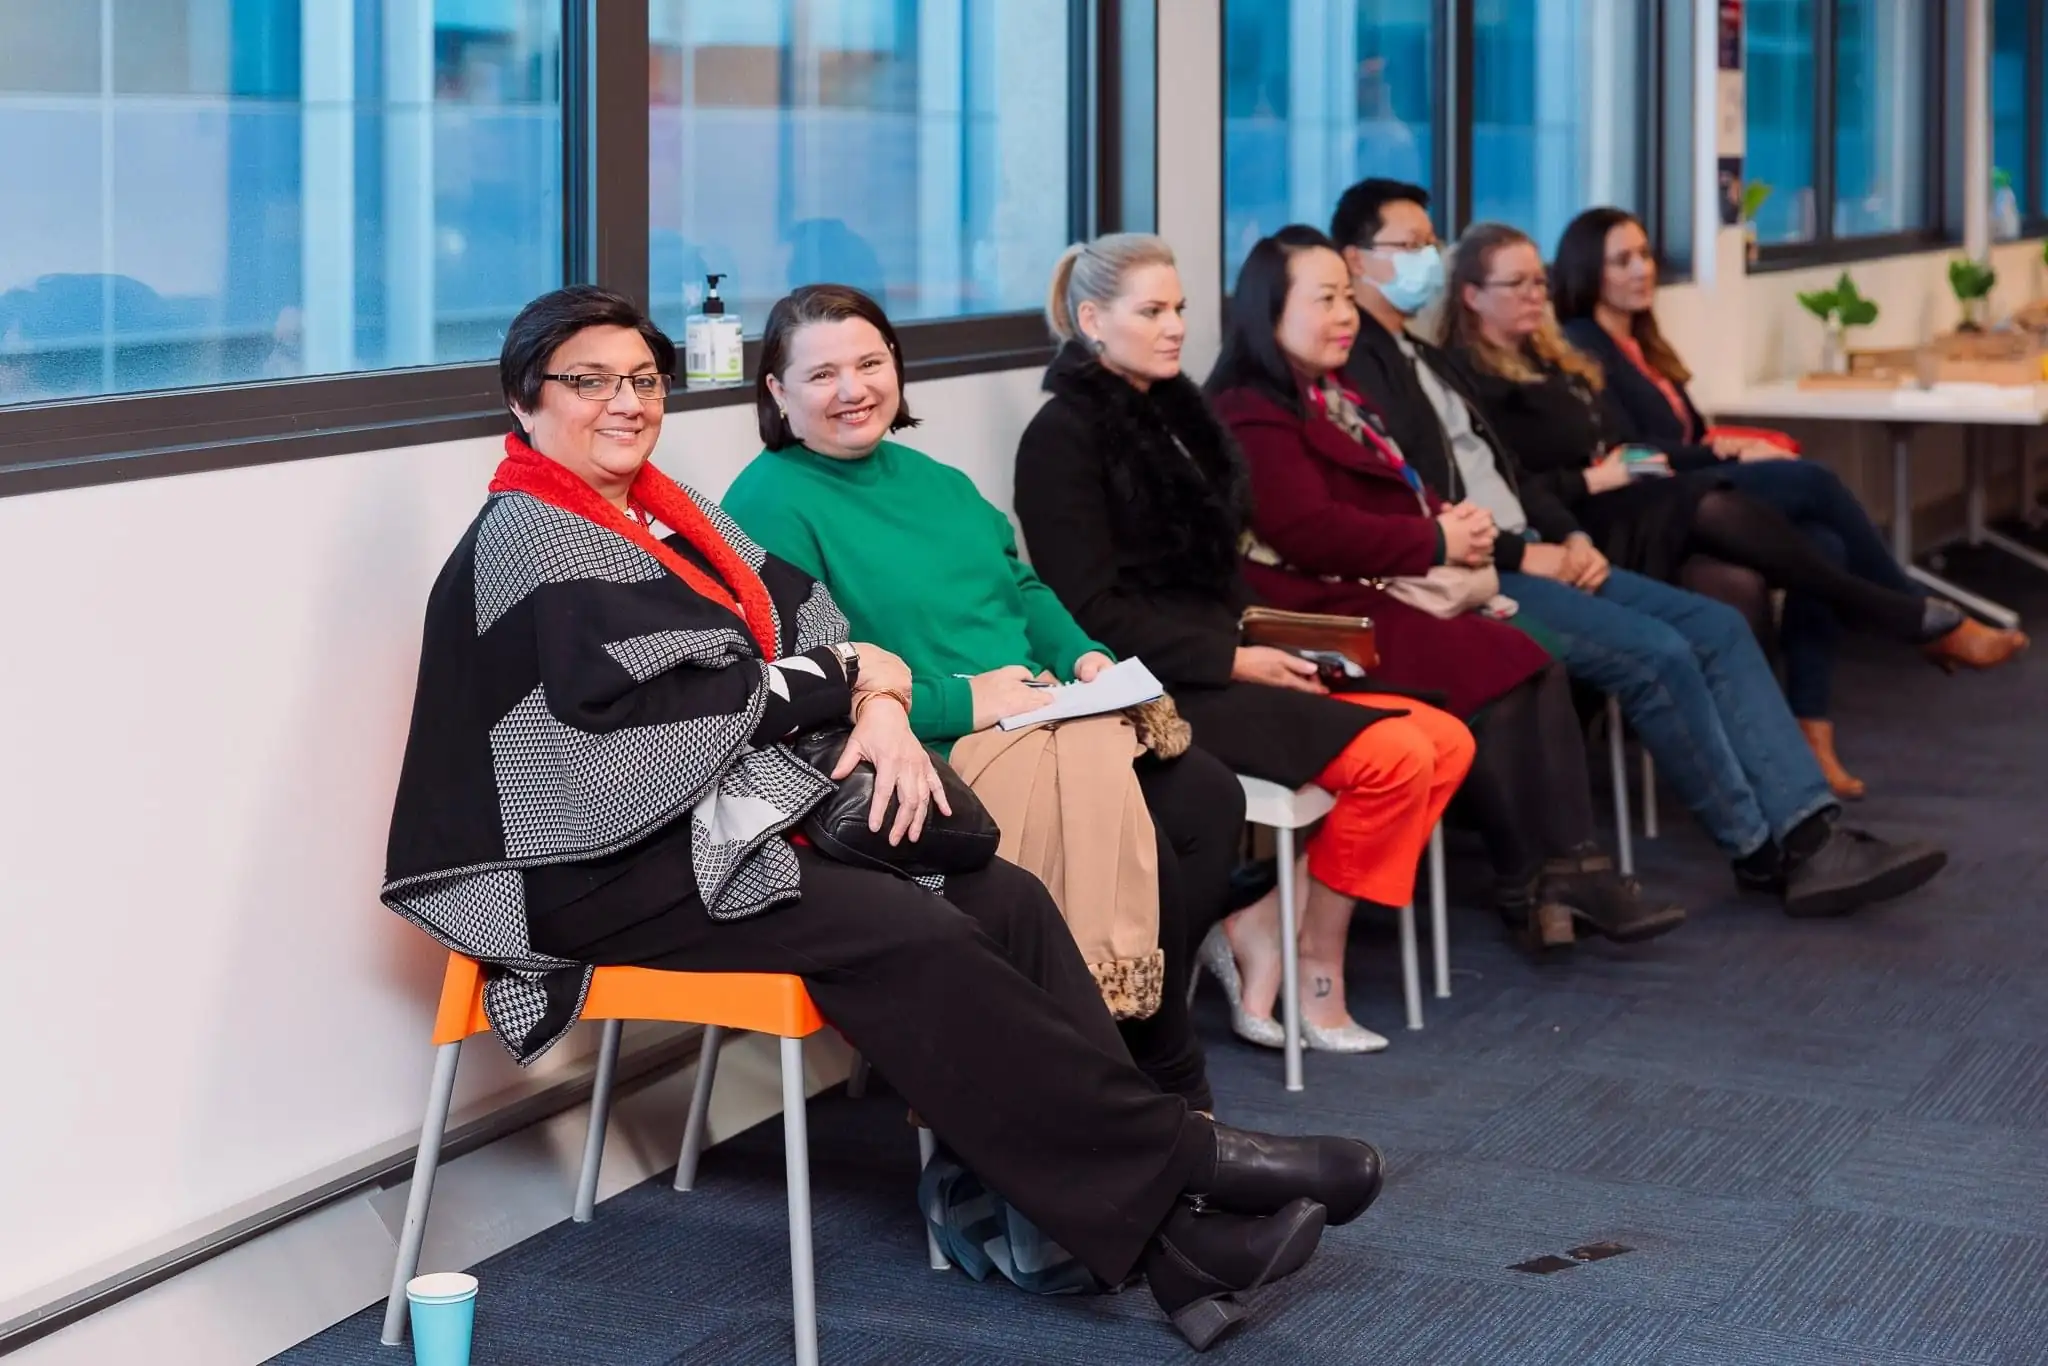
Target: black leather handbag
837,826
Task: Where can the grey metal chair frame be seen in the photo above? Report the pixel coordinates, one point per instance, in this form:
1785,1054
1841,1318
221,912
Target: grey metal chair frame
796,1156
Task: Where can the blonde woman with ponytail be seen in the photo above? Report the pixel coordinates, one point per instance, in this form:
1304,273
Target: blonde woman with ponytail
1133,498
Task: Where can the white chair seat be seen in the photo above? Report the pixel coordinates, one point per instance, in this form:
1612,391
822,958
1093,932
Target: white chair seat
1272,805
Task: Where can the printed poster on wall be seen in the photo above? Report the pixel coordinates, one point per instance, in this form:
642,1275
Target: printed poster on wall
1731,117
1731,36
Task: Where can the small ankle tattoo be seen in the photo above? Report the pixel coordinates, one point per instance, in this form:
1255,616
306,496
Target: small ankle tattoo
1323,987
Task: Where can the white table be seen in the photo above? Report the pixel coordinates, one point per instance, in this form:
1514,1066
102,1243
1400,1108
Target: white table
1900,411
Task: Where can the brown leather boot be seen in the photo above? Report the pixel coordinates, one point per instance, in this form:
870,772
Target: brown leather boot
1973,645
1820,736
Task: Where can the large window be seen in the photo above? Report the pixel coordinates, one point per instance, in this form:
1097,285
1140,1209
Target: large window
1844,123
207,191
241,231
1551,106
920,151
1318,94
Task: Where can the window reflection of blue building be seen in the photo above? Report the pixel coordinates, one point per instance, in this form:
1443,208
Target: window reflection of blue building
303,220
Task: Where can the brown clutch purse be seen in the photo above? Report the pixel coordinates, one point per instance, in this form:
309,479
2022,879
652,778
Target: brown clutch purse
1313,635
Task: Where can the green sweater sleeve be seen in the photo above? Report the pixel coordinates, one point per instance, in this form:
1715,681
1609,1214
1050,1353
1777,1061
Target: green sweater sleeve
1054,634
941,707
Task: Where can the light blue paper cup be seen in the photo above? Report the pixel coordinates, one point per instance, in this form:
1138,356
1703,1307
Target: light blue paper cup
443,1315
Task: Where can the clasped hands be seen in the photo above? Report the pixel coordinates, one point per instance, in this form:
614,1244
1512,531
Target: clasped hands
1469,534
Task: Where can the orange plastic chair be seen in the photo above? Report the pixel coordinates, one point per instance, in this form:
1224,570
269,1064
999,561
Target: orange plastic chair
762,1003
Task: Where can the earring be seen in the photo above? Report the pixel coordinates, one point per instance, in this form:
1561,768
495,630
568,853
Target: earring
1095,345
782,412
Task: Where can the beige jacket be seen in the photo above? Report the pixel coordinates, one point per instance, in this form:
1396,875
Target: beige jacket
1072,814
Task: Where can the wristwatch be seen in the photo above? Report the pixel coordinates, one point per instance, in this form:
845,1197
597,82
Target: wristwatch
848,656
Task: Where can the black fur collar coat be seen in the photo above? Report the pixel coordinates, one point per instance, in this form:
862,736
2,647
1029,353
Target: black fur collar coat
1132,502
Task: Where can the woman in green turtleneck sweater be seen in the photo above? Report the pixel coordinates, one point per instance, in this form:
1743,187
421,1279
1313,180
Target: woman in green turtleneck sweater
923,565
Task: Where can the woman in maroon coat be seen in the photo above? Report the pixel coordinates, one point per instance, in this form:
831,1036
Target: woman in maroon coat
1335,508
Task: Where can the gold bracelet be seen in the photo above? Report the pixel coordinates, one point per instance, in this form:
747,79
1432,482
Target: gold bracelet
867,695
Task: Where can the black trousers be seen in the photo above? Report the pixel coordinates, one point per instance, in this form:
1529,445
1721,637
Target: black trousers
979,1010
1736,527
1197,809
1528,792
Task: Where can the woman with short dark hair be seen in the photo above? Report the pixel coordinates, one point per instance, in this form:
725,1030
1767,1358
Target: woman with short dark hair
1604,289
597,773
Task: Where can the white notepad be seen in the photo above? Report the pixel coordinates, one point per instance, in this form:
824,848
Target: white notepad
1119,686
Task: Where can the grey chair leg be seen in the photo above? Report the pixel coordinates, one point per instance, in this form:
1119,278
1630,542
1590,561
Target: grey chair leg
1411,967
926,1146
413,1233
857,1080
700,1106
1649,795
600,1115
1290,963
1617,764
1439,915
797,1158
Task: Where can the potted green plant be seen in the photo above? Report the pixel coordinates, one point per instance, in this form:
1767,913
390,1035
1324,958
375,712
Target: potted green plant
1839,309
1754,193
1971,281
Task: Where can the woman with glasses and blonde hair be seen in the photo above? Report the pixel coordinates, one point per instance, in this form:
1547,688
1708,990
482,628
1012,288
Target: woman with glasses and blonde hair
1646,509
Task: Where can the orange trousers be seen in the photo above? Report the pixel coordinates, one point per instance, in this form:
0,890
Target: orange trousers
1392,783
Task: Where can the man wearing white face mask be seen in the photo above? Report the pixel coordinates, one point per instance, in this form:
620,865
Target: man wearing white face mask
1687,669
1397,271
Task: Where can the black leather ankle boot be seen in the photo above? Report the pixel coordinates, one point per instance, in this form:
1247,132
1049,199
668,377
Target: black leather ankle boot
1262,1173
1198,1262
1604,901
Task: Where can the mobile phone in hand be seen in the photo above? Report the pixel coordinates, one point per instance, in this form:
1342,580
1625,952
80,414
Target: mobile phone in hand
1332,665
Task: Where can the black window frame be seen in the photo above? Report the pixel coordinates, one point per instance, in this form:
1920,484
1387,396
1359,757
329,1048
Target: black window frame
106,439
1940,210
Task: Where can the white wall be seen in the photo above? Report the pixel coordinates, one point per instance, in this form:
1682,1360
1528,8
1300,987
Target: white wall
202,712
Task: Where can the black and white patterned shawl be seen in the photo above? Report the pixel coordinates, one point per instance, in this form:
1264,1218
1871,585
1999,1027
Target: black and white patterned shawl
574,698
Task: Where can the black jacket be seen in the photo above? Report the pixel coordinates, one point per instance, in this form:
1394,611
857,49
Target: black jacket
1379,371
1637,407
1132,504
1556,425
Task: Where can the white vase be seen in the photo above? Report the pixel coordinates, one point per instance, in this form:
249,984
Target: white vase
1834,351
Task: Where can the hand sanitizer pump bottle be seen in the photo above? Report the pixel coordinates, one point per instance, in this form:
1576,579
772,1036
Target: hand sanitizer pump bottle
712,349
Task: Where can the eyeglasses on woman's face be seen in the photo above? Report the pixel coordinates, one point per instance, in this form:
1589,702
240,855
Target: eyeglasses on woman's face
599,387
1527,286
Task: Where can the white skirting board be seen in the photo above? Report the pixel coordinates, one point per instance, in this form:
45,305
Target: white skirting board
248,1304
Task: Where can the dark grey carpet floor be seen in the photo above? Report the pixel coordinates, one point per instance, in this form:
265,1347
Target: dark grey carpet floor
1825,1143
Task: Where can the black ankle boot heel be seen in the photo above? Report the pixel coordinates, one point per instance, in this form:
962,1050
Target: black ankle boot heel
1541,926
1198,1263
1207,1321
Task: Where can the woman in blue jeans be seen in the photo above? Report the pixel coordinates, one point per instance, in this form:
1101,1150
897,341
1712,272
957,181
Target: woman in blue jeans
1687,670
1604,283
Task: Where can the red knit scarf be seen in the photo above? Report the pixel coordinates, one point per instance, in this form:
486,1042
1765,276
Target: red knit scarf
525,470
